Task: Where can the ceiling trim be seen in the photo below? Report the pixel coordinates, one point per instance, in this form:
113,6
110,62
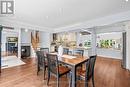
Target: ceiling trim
17,24
124,16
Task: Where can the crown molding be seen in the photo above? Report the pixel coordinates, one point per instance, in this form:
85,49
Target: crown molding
107,20
124,16
17,24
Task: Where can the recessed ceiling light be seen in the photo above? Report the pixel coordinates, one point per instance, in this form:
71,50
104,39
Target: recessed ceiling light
47,17
80,34
61,9
126,0
26,30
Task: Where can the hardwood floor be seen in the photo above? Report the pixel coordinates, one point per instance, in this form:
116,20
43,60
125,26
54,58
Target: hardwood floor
108,73
7,53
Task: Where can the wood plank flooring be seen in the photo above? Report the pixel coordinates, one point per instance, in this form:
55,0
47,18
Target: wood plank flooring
7,53
108,73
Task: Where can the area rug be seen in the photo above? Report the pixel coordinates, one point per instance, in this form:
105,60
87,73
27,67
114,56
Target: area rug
10,61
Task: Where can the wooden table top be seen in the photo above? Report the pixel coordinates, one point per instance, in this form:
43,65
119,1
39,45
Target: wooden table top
72,61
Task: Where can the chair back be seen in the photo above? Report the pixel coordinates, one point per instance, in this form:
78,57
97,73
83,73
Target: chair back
91,66
45,51
79,52
40,59
65,51
87,69
53,65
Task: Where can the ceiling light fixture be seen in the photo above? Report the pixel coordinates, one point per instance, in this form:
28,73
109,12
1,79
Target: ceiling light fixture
61,9
80,34
126,0
47,17
26,30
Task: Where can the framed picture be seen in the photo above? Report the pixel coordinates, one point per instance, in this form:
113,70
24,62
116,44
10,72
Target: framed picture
12,39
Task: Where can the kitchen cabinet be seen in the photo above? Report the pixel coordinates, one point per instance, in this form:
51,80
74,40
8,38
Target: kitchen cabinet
66,37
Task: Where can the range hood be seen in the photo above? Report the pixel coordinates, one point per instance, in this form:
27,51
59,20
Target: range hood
84,33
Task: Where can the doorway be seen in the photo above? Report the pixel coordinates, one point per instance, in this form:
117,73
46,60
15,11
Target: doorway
112,45
9,48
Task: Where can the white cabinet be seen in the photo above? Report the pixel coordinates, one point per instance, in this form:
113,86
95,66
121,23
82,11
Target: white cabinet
66,37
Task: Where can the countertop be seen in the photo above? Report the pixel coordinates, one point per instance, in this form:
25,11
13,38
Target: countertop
83,48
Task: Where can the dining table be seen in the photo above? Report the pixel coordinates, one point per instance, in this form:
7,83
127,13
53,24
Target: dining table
73,62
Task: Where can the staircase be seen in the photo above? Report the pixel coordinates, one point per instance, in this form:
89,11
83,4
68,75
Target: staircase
35,40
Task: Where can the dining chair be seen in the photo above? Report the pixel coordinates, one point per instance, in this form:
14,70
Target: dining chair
55,68
45,51
41,62
79,52
65,51
89,71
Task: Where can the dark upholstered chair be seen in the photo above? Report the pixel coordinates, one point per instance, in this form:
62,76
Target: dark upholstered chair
45,51
89,71
65,51
41,62
55,68
79,52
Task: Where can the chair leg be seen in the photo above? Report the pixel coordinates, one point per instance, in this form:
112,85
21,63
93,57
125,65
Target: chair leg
93,80
70,82
44,72
58,81
38,69
48,78
86,84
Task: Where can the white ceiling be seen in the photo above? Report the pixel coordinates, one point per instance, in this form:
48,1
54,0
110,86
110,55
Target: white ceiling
61,13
